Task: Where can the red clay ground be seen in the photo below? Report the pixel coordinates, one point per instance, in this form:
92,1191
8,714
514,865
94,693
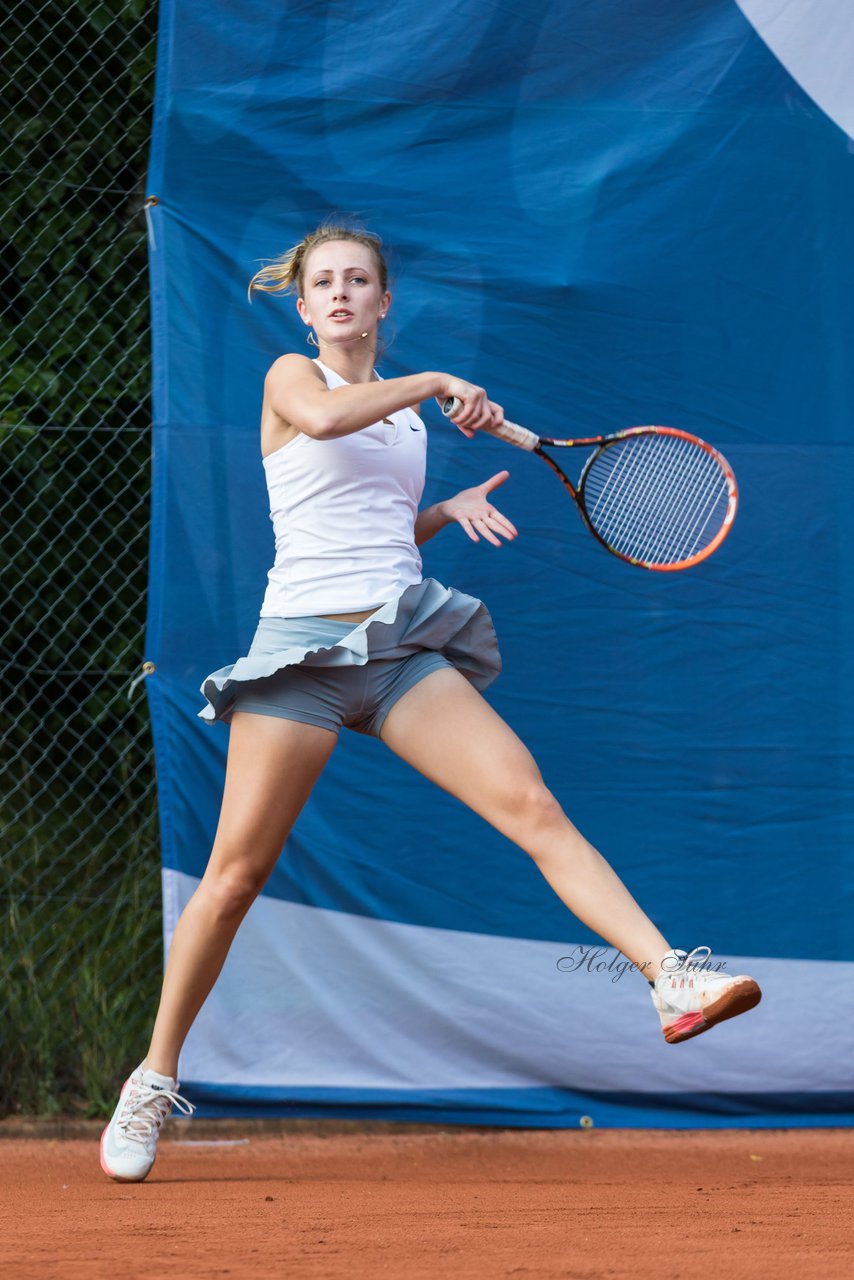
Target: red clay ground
314,1202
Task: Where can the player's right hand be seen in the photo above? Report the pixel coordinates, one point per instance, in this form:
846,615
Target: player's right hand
476,411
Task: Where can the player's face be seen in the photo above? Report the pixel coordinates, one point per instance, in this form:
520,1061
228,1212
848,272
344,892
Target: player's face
342,297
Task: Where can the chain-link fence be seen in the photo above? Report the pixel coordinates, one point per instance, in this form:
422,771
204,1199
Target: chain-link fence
79,867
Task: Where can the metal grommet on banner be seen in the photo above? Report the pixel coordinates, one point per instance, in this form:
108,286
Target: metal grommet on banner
150,202
148,669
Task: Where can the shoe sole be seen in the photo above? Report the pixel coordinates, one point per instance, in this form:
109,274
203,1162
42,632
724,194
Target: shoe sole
739,998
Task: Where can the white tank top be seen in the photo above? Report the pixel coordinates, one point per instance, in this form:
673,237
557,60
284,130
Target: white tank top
343,514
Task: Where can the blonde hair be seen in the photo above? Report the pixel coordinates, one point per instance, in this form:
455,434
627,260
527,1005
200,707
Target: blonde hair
285,274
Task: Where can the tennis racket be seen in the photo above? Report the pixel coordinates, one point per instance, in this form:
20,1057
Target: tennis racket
655,497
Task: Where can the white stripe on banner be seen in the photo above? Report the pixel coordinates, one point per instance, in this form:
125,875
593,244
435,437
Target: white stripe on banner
311,997
814,40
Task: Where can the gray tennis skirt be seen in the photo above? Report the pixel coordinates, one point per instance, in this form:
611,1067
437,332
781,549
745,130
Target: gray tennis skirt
331,673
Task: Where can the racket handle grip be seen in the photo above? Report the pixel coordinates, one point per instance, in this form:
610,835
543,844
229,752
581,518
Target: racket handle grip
509,431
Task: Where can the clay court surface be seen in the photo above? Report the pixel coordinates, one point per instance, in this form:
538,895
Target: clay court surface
326,1200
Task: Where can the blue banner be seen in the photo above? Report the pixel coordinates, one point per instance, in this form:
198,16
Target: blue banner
608,213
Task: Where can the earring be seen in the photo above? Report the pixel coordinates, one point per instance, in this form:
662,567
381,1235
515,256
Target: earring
311,340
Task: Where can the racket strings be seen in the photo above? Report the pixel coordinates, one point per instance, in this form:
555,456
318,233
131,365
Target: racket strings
698,515
664,509
680,532
627,513
658,499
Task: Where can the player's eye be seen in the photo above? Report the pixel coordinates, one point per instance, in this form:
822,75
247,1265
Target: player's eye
358,280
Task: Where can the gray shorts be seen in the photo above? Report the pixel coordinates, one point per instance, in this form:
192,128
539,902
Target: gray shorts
332,673
359,697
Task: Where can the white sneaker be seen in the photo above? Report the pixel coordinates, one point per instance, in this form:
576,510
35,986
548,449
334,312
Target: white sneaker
691,999
129,1142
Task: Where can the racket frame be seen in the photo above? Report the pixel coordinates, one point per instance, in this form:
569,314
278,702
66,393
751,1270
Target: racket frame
599,445
528,440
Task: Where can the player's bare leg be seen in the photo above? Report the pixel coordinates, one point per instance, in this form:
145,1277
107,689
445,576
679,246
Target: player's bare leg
449,733
272,766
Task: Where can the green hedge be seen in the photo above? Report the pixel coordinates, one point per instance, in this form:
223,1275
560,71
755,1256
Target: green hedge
79,874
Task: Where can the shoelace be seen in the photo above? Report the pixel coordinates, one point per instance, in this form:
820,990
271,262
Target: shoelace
144,1112
688,971
686,966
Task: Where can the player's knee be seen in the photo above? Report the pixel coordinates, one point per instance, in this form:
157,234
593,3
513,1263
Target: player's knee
232,890
535,808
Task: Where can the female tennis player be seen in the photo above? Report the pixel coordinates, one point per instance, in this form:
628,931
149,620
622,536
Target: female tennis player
350,634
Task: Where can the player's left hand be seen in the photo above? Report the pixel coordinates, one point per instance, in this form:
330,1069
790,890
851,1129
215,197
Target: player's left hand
474,511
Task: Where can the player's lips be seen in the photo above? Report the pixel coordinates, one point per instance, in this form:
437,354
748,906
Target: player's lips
340,314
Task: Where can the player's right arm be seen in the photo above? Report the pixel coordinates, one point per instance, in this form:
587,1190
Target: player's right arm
296,394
